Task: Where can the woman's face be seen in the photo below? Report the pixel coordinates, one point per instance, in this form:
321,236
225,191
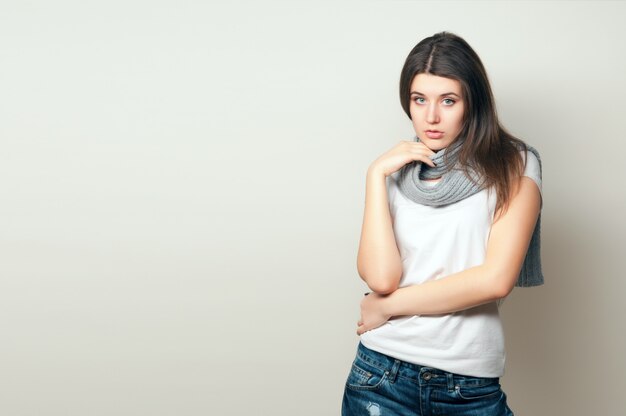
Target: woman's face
437,110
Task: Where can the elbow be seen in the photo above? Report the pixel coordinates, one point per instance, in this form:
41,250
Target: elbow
383,286
500,285
501,291
383,282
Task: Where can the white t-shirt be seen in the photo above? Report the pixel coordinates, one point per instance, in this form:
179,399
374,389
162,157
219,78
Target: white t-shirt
435,242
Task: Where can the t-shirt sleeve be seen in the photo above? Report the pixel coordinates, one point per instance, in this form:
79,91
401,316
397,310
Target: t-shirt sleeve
533,170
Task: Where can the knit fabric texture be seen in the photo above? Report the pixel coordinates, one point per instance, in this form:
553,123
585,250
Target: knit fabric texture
455,186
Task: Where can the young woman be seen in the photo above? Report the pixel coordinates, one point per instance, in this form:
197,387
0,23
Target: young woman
451,225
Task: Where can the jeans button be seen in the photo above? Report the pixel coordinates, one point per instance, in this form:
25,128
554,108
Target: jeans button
427,376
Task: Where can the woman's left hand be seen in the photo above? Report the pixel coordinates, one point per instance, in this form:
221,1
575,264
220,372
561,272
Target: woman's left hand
373,312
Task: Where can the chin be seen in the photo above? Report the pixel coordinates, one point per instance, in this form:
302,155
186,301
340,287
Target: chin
434,145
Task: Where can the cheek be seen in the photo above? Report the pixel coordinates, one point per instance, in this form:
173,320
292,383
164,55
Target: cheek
417,121
416,114
458,118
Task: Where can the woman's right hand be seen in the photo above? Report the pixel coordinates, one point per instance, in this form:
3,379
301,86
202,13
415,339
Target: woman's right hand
401,154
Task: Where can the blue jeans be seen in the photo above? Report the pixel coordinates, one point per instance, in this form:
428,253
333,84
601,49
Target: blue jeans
379,385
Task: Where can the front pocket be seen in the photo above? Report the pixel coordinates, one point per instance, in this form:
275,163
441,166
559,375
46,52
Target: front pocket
361,379
478,392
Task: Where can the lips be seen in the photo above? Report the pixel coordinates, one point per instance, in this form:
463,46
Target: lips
434,134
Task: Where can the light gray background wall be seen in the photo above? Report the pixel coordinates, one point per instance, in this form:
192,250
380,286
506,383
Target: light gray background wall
182,186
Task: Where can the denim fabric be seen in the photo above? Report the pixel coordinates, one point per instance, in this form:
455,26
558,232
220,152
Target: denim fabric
379,385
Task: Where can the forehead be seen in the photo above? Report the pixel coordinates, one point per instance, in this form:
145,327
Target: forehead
430,84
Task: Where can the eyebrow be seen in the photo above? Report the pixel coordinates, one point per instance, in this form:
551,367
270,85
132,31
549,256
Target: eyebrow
447,93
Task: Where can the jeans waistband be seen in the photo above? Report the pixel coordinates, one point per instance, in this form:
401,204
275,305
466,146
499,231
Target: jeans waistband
419,373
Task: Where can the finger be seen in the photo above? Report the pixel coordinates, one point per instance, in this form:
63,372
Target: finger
420,146
427,160
419,154
423,146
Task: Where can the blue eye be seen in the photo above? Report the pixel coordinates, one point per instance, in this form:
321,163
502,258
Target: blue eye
449,101
418,98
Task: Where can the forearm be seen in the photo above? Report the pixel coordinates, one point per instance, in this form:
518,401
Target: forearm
458,291
378,261
508,243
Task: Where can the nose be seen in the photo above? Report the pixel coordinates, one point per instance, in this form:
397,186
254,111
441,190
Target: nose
432,115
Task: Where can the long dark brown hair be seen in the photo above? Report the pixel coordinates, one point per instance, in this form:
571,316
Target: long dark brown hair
487,148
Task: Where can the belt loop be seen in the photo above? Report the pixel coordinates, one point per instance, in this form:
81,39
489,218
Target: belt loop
394,370
450,378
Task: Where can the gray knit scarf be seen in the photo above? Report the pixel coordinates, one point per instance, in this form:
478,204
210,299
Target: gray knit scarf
455,186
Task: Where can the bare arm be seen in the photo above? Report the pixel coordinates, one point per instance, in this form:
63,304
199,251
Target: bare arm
378,261
508,242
